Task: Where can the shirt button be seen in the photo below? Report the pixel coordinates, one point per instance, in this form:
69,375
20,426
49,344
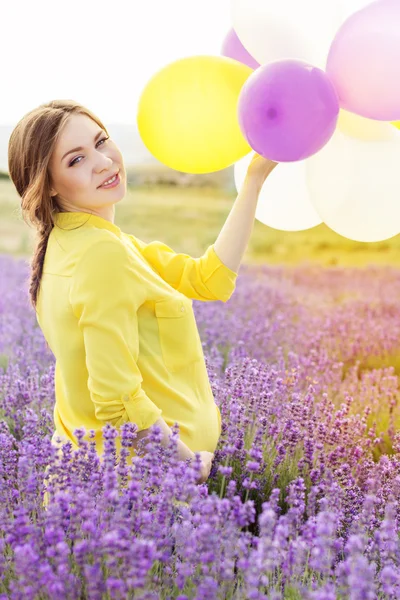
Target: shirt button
182,309
125,397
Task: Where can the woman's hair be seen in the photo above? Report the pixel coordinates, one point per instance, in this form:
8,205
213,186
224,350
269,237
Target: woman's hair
30,148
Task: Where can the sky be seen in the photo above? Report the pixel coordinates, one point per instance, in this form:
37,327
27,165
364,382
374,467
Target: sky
102,53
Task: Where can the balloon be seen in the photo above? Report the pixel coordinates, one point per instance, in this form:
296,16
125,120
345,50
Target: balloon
396,124
288,110
284,200
349,7
233,48
187,114
363,62
362,128
276,30
355,187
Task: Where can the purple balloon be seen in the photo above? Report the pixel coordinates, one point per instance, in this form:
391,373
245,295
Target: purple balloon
232,47
288,110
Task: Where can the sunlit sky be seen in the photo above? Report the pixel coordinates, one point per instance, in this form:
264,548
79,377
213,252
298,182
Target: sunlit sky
102,53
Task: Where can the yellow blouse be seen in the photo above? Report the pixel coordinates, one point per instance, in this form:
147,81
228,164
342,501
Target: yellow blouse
117,315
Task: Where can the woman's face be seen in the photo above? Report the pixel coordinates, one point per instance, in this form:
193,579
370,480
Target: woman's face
76,176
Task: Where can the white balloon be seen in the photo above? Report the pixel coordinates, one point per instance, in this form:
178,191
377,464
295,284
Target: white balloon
355,185
275,30
284,201
362,128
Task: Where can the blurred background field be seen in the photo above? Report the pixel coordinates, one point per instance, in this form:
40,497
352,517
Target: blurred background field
187,213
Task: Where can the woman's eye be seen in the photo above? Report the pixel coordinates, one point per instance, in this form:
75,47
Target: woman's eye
75,159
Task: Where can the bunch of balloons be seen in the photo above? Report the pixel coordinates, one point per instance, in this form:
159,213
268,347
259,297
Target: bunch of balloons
302,84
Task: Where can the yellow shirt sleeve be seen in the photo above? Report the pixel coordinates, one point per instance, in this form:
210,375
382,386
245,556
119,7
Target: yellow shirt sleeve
105,294
204,278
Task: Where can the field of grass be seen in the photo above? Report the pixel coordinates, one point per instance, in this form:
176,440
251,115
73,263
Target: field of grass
190,219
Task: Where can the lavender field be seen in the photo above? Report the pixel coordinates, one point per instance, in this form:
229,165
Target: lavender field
303,498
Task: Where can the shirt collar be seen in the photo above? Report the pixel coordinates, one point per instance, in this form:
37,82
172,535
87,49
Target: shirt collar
71,220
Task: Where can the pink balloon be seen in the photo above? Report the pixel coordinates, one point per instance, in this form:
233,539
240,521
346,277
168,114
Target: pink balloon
364,62
288,110
232,47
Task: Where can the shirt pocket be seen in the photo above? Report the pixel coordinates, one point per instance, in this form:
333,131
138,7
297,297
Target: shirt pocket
179,338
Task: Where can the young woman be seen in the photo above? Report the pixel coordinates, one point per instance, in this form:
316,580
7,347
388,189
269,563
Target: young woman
117,312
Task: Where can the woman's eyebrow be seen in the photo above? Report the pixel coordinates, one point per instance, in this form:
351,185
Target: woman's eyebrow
98,134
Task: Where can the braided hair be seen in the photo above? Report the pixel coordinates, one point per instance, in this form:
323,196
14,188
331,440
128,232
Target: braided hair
30,148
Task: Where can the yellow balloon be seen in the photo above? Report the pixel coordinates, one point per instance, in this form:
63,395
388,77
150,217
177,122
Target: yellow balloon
396,124
187,114
361,128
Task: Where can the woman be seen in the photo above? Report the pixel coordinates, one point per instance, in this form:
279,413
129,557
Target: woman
117,312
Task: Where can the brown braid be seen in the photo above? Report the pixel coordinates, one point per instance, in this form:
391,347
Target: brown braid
38,262
30,148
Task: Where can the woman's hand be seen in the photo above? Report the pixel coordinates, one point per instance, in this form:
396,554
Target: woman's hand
259,169
206,464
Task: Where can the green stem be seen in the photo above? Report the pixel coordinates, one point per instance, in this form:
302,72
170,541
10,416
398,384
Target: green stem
248,489
221,494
